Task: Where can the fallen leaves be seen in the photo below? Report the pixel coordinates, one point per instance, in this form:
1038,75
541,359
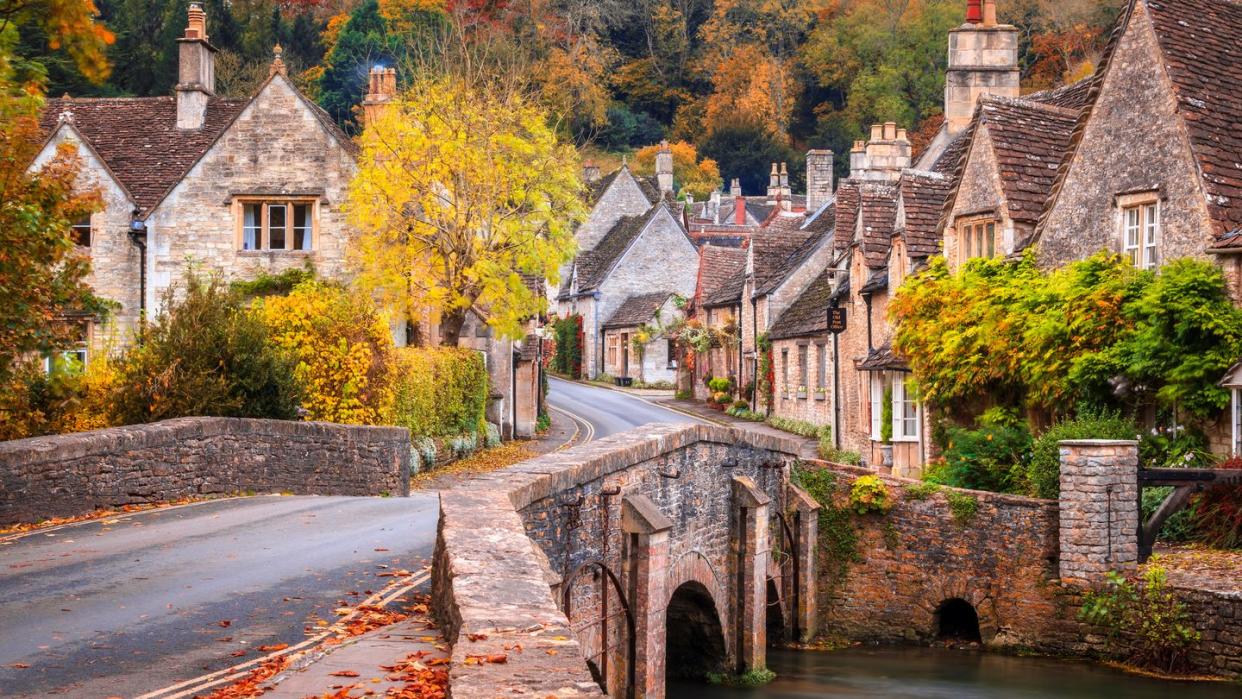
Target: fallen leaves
19,666
224,623
346,673
251,685
273,647
97,514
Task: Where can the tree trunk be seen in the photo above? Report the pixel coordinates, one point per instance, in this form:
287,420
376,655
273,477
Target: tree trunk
451,323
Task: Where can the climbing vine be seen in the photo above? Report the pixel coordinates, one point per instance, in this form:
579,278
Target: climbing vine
767,374
569,341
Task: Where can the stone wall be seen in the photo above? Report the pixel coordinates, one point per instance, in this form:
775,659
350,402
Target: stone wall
76,474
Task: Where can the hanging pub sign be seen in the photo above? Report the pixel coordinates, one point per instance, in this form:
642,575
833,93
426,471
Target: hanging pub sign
836,320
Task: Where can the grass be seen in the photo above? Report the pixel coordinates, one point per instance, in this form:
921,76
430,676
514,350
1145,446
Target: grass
964,506
922,490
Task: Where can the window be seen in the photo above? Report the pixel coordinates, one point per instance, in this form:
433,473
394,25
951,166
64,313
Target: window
821,367
277,225
613,346
671,350
905,410
803,350
977,239
74,356
877,403
1141,234
81,232
785,369
1237,421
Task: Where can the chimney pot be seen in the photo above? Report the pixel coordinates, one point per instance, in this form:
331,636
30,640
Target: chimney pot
974,13
196,71
902,135
989,13
877,132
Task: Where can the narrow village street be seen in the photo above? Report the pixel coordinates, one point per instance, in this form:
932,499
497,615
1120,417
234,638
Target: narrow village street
142,602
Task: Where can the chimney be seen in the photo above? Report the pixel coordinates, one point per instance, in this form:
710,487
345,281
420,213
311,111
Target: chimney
774,186
818,179
196,72
381,89
739,208
786,194
884,156
664,168
983,59
735,187
590,172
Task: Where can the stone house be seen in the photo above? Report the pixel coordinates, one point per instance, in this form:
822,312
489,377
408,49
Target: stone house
235,186
627,355
638,253
717,303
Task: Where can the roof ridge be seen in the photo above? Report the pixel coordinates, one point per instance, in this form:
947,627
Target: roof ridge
1024,103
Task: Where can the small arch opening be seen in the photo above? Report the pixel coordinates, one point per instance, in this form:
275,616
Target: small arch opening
694,638
775,613
957,621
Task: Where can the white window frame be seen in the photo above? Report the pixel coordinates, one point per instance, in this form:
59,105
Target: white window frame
1236,422
877,403
905,427
1141,229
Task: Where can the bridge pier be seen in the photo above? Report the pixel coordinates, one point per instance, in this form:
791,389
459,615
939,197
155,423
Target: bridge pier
646,530
1099,509
751,542
803,606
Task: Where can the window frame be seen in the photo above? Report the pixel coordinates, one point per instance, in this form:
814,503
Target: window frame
265,204
804,365
903,400
614,350
87,222
878,379
1148,228
977,230
821,367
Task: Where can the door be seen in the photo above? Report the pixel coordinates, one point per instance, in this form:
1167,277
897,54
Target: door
625,355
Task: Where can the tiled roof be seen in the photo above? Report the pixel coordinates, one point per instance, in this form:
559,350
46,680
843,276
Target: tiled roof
648,185
877,281
593,265
138,138
922,197
848,197
947,163
879,214
1202,45
722,274
637,310
883,359
1073,96
1029,140
808,315
777,252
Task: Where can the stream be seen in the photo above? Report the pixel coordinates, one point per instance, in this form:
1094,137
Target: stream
936,673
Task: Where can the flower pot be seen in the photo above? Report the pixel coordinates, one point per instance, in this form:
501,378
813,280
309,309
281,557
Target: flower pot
886,456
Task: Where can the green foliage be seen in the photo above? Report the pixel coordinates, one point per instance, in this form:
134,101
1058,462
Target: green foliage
745,148
886,416
491,436
765,385
268,284
721,385
1081,334
838,537
1146,624
568,358
1175,446
206,354
543,423
1179,527
684,395
800,427
751,679
922,490
746,414
65,399
963,506
441,391
831,454
992,457
869,494
741,405
424,449
1043,472
892,537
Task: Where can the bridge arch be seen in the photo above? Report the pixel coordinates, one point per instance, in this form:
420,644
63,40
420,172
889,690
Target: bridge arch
694,635
957,620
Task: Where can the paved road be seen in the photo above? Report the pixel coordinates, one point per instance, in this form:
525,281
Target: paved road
125,606
607,411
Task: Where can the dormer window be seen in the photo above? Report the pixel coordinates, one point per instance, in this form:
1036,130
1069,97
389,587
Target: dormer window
81,232
976,238
276,225
1140,229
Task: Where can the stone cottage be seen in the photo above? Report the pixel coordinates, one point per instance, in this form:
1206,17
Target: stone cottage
238,186
717,304
635,347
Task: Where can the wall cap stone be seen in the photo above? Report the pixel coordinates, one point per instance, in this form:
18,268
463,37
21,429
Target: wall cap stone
639,515
1098,443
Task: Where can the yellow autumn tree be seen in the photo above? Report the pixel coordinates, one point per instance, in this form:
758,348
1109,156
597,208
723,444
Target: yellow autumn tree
691,175
461,191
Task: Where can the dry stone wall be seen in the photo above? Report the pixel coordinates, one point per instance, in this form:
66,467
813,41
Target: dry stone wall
76,474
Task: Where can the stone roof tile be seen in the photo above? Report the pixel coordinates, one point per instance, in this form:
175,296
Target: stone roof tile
722,275
808,315
637,310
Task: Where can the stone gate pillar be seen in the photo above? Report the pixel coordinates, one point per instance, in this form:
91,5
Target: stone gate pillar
647,530
751,546
803,605
1099,510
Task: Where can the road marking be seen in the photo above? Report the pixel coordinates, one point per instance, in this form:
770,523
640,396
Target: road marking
190,687
661,406
579,422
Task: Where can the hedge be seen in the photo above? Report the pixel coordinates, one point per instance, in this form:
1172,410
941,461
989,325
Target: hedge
441,391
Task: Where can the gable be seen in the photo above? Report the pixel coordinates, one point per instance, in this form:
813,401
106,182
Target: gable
619,195
94,172
1131,140
978,184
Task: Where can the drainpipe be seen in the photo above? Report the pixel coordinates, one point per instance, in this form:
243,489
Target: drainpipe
138,236
867,300
754,341
513,369
836,385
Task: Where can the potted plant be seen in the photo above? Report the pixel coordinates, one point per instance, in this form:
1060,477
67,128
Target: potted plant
886,430
802,392
821,393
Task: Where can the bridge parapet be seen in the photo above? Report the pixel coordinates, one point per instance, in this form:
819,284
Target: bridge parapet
581,553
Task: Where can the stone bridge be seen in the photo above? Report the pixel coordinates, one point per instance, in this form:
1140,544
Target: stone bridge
605,567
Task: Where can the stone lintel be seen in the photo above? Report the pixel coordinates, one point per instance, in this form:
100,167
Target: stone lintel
747,493
639,515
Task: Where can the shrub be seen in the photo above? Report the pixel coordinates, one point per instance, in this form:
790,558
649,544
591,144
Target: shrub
491,436
744,414
721,385
441,391
800,427
869,494
992,457
741,405
963,506
424,449
1216,515
65,399
569,342
684,395
462,446
1145,623
1043,472
827,452
205,354
720,398
543,423
344,352
922,491
1179,527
